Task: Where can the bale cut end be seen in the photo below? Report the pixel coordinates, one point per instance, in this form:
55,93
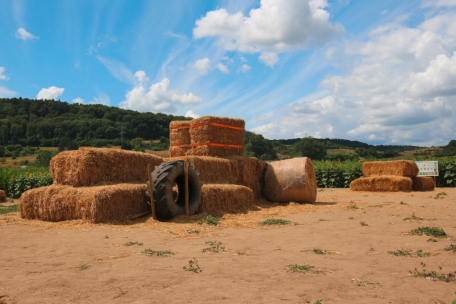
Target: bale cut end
423,183
382,184
219,199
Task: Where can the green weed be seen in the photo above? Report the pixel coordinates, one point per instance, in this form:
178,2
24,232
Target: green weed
214,247
83,266
440,195
431,240
193,231
352,206
450,277
413,218
209,219
299,268
365,283
270,222
160,253
430,231
451,247
193,266
363,224
9,209
319,251
133,243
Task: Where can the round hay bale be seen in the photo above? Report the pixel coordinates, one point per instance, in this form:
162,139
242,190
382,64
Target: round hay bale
2,196
291,180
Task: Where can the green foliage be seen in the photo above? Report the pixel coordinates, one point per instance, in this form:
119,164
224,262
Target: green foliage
270,222
209,219
299,268
257,146
9,209
430,231
214,247
450,277
311,148
160,253
193,266
43,158
336,174
16,181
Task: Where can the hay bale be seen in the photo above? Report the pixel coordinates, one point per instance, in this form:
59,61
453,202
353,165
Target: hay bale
391,183
95,204
217,136
96,166
423,183
218,199
291,180
235,170
2,196
396,167
179,138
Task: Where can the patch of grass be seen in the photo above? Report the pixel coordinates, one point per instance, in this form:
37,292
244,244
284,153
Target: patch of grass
241,253
299,268
440,195
451,247
352,206
193,231
430,231
9,209
422,254
193,266
439,276
270,222
83,266
160,253
133,243
318,302
319,251
363,224
214,247
431,240
209,219
401,252
413,218
365,283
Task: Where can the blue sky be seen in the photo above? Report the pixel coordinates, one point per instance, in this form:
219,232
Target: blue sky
378,71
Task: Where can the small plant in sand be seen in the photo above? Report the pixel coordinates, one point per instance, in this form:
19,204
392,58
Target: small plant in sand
363,224
408,252
83,266
270,222
193,266
430,231
351,218
413,218
121,293
402,203
451,247
133,243
365,283
431,240
319,251
440,195
352,206
193,231
9,209
437,276
209,219
106,237
299,268
241,252
160,253
318,302
214,247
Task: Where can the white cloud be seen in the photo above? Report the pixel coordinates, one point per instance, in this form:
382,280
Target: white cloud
274,27
3,76
101,98
270,59
5,92
245,68
439,3
222,68
118,70
78,100
50,93
157,97
191,114
21,33
202,66
398,87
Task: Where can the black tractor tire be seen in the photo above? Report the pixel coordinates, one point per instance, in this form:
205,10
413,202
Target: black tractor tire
167,175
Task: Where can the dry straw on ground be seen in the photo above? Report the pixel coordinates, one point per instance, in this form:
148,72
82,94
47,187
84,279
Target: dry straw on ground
235,170
423,183
218,199
98,166
291,180
95,204
396,167
2,196
382,183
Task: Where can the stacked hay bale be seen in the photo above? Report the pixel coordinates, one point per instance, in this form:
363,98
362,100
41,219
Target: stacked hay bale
96,185
393,176
179,138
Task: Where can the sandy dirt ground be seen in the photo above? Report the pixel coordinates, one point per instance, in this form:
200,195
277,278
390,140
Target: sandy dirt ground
240,260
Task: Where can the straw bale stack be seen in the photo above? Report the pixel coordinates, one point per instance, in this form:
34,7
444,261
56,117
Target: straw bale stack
217,136
386,183
235,170
95,204
396,167
218,199
96,166
291,180
2,196
423,183
179,138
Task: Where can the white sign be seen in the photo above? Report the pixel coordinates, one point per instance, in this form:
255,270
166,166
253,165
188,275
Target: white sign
428,168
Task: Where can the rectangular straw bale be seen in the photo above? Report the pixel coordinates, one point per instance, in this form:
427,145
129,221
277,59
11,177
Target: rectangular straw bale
202,132
219,199
95,166
179,137
179,151
386,183
95,204
396,167
423,183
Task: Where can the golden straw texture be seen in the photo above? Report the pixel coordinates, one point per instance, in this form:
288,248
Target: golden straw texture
423,183
385,183
396,167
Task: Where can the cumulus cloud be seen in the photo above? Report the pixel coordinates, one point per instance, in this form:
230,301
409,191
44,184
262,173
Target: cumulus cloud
5,92
222,68
50,93
118,70
21,33
202,66
191,114
156,97
439,3
276,26
398,87
270,59
3,76
245,68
